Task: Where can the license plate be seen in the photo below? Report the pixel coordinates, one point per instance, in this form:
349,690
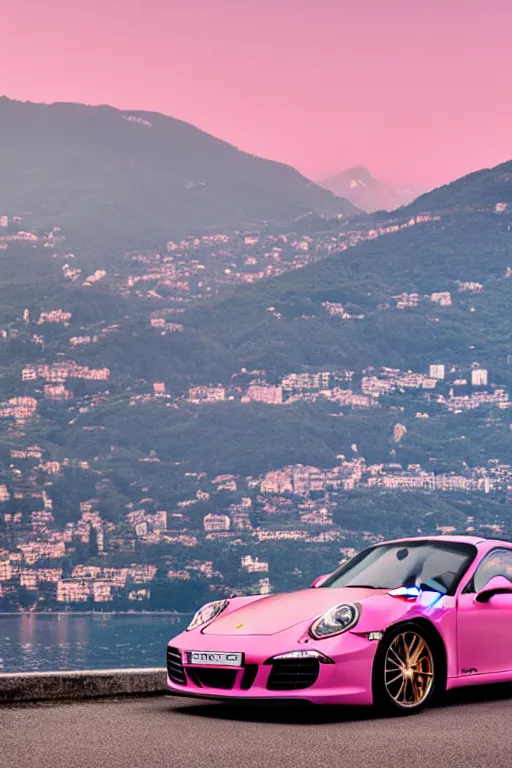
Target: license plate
214,658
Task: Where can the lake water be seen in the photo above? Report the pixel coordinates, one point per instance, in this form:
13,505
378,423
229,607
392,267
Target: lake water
46,642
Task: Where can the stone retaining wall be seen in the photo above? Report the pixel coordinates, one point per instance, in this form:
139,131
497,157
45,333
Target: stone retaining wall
84,684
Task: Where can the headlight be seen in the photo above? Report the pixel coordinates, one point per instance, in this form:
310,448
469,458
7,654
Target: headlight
292,655
336,620
207,613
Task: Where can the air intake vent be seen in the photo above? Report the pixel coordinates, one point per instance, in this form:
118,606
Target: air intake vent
293,674
175,667
212,678
250,672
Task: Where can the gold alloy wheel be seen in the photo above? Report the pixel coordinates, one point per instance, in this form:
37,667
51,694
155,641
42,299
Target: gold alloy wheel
408,669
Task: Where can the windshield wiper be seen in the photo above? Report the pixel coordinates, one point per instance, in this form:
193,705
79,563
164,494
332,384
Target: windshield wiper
364,586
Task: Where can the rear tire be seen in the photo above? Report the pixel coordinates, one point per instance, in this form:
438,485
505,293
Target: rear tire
408,670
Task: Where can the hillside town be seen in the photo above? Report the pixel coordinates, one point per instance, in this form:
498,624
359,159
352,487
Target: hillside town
296,503
197,267
70,539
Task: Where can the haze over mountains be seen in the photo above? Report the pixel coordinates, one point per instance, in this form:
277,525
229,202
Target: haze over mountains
129,177
366,192
121,179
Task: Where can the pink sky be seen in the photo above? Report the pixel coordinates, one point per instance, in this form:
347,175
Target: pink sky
420,92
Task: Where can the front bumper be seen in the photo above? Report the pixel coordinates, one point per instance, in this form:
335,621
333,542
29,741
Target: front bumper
348,680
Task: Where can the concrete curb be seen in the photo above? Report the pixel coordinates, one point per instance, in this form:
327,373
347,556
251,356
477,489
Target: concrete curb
85,684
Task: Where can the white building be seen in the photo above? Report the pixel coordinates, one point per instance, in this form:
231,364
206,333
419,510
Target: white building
443,298
260,393
253,565
479,377
437,371
214,522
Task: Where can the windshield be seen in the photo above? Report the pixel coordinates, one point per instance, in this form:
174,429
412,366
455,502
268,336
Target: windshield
434,565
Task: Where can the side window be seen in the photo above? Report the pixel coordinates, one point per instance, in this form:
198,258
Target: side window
496,563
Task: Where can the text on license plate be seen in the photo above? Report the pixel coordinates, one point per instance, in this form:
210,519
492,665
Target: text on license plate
213,658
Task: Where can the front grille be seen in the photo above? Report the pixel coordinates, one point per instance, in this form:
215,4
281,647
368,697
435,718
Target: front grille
212,678
293,674
175,667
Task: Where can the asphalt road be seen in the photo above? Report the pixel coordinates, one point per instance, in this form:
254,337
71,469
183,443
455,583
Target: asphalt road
472,730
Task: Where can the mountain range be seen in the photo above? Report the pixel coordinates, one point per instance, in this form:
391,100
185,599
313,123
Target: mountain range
284,324
113,178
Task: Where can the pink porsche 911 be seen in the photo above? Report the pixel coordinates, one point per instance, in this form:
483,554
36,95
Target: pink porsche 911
395,626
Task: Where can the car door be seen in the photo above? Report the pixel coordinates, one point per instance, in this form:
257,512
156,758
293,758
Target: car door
484,630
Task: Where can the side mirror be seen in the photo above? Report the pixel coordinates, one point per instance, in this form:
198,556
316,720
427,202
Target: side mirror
498,585
320,580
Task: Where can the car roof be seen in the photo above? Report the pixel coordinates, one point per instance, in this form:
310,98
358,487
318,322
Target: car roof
475,540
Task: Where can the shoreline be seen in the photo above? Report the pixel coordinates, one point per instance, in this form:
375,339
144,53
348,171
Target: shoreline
17,614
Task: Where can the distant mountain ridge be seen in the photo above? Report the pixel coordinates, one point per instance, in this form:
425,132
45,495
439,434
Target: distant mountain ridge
130,178
479,190
467,242
363,190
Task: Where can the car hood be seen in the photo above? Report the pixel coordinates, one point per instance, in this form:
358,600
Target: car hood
276,613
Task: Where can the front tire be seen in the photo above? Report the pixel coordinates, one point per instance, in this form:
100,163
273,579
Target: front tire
407,672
